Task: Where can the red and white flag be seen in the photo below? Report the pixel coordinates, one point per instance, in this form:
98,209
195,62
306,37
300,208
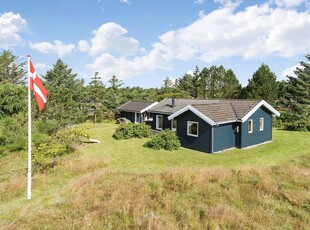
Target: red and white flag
36,85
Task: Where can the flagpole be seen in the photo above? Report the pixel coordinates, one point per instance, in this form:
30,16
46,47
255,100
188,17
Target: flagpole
29,135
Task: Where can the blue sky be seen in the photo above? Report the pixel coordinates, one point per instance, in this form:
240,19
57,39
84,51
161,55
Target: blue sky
144,41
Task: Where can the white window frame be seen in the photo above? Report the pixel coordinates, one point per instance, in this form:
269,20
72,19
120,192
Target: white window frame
173,129
250,126
157,123
261,124
188,128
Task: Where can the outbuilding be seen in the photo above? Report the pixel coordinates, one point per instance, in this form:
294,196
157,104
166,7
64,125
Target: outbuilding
137,111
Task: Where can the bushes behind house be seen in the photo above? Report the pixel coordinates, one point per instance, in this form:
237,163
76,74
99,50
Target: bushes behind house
166,139
130,130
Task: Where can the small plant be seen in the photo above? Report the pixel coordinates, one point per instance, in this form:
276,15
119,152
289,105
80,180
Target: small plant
45,152
130,130
166,139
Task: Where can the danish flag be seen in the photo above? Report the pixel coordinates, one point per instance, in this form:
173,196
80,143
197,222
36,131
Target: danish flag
36,85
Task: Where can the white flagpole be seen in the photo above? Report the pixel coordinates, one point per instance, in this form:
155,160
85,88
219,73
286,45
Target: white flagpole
29,135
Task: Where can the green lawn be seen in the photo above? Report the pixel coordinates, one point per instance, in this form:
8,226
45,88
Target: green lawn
131,156
122,185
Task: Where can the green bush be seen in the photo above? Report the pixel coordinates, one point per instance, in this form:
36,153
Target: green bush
297,126
13,133
131,130
295,122
47,127
166,139
46,152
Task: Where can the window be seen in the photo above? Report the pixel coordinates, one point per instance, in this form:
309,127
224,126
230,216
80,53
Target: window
173,124
236,129
261,124
192,128
250,126
159,122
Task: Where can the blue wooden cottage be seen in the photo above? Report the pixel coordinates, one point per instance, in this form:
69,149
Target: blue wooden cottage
215,125
136,111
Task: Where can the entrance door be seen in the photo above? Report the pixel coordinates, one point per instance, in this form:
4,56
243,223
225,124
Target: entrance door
237,131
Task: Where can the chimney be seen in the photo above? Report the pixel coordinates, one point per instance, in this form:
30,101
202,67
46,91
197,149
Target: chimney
172,102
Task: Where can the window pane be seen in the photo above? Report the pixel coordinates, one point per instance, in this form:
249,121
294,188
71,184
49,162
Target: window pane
174,124
193,128
261,124
160,122
250,126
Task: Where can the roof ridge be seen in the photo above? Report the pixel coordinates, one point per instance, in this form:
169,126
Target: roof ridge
233,108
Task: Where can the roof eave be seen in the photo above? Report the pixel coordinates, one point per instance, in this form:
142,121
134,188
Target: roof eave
148,107
261,103
119,108
195,111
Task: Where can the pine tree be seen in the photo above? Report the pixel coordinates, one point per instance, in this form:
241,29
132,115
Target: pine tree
113,96
231,88
186,84
12,69
263,85
297,98
66,95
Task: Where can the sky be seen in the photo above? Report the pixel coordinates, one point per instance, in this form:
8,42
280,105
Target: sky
144,41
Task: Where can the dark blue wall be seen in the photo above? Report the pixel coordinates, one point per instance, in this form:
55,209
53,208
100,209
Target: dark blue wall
248,139
166,122
200,143
224,137
129,115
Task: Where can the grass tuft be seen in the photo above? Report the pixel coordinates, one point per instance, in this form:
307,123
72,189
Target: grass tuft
121,185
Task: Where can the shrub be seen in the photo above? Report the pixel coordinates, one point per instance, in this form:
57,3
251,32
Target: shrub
295,122
166,139
48,127
130,130
45,152
297,126
13,132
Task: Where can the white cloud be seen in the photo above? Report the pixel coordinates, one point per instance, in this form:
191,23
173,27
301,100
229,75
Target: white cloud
58,48
124,68
289,71
109,38
229,3
199,2
125,1
10,26
120,55
288,3
257,31
40,66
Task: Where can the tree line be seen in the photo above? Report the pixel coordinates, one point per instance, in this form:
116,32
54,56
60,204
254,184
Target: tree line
71,101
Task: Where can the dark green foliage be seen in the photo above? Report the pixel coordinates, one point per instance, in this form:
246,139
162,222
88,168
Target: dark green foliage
13,133
12,69
297,99
294,122
13,99
166,139
46,151
47,127
213,82
66,96
131,130
263,85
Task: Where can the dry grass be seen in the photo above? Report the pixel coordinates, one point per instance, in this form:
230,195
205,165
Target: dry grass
86,191
260,198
